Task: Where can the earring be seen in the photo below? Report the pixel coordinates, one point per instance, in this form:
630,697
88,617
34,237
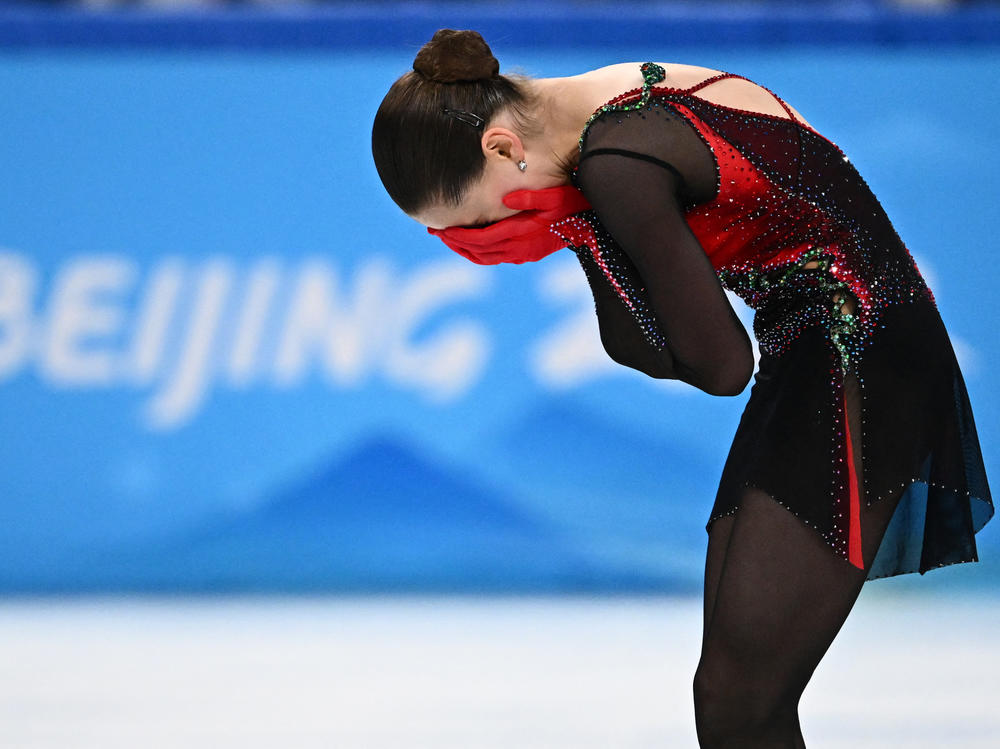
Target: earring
522,165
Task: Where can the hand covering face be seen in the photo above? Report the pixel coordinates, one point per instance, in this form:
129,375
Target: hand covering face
521,238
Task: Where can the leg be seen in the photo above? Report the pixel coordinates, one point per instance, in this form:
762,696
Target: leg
781,596
718,543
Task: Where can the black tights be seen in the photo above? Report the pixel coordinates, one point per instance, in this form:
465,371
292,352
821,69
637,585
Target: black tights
776,594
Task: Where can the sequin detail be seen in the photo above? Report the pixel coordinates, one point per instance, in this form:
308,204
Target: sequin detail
776,221
651,73
794,230
599,253
831,540
799,297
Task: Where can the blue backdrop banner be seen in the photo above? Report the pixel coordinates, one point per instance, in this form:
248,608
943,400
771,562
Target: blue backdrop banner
228,362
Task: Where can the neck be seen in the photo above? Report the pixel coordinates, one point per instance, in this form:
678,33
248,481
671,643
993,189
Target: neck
563,107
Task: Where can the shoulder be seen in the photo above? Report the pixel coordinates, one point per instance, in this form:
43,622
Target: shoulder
624,76
738,92
626,143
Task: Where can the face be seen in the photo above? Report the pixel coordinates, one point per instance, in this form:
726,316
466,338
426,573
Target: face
483,201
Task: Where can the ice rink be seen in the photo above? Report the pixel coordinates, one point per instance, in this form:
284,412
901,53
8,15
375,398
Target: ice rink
907,670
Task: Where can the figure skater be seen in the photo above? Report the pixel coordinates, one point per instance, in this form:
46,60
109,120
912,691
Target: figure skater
856,456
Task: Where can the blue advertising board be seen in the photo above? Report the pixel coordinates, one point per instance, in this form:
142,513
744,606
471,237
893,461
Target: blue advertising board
228,361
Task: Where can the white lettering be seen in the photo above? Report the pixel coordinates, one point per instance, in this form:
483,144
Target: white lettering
449,363
156,313
76,314
185,390
346,336
188,327
18,282
252,320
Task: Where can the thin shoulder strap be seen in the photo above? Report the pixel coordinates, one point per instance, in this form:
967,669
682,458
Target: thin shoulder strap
720,76
710,80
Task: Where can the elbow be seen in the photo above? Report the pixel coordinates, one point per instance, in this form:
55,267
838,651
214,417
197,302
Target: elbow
728,377
655,363
728,385
648,365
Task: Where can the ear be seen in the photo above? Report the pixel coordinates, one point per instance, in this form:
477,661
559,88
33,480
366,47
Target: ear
501,143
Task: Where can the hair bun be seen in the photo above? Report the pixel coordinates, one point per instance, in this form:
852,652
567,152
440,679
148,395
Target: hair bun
451,56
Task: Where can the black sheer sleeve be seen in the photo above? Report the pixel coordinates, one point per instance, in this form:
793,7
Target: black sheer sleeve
639,172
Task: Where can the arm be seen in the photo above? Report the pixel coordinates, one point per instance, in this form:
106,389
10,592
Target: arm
621,335
638,202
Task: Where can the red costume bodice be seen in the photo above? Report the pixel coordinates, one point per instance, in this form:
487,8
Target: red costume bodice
785,195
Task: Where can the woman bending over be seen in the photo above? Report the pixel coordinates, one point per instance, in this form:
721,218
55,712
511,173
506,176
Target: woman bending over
856,456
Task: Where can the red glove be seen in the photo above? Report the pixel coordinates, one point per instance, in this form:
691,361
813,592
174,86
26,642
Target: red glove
523,237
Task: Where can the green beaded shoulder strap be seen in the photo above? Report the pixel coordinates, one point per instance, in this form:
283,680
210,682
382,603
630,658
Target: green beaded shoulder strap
651,75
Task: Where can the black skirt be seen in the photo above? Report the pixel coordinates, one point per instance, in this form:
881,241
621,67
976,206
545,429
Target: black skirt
918,437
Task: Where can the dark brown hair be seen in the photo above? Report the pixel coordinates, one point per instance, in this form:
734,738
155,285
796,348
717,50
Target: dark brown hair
427,131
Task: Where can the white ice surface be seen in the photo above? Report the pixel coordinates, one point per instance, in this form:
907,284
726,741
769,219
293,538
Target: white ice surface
442,672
